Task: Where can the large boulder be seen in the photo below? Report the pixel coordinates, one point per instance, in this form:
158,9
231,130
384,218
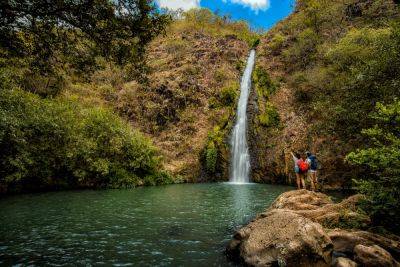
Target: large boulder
300,200
344,262
345,241
282,237
320,208
374,256
299,230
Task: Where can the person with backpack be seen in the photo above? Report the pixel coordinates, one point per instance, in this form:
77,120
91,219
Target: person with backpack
298,164
303,166
313,163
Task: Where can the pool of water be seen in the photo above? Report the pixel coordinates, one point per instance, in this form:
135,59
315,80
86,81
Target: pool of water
176,225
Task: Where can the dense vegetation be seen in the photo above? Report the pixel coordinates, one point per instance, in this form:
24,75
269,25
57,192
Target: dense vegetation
48,137
382,157
48,42
59,144
77,89
335,60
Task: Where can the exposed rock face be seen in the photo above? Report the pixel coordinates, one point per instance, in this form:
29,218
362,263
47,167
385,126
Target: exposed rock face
302,125
373,256
281,237
188,70
319,208
294,231
345,241
344,262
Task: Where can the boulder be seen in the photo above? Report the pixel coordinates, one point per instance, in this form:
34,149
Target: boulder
320,208
298,230
300,200
344,241
282,237
374,256
344,262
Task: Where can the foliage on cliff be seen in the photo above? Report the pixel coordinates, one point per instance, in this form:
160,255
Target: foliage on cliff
81,80
382,158
191,88
334,60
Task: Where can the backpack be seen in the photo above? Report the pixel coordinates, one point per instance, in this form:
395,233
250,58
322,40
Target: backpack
313,163
303,166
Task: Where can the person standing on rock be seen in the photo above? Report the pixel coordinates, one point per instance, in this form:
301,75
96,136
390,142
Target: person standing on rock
312,172
299,175
304,167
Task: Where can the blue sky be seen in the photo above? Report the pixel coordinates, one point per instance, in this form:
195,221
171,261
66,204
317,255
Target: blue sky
261,14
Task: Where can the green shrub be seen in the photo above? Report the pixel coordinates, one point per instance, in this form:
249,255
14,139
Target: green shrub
276,43
228,94
303,51
358,48
51,143
158,178
366,67
263,82
382,159
220,75
212,150
254,42
204,20
211,157
270,117
240,65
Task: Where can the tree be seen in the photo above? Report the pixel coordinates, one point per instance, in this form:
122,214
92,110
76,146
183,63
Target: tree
382,158
51,32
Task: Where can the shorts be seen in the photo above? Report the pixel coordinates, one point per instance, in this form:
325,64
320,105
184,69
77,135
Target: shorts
313,171
296,169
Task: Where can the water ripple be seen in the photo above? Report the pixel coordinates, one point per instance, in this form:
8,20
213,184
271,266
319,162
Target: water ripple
166,226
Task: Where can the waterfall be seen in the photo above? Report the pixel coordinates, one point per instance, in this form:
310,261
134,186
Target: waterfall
240,163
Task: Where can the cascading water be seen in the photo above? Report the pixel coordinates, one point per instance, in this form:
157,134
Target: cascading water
240,164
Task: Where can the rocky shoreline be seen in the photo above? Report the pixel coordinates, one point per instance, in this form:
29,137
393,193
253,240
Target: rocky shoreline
304,228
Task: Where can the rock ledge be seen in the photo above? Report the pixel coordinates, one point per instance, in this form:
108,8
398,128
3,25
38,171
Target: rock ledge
299,230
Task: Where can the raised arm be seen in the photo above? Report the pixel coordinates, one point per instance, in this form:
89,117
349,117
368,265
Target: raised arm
294,157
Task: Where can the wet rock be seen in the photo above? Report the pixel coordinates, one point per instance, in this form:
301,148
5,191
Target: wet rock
282,237
373,256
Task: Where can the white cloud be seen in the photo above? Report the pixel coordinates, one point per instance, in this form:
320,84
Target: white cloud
177,4
253,4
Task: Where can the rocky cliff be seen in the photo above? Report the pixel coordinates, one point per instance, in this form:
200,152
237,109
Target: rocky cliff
185,98
317,59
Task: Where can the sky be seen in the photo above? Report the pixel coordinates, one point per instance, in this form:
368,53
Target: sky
260,14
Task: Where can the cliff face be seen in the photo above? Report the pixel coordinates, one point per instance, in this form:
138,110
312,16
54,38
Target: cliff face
187,103
329,64
189,71
183,98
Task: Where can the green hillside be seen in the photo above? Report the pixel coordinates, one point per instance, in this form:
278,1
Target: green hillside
105,107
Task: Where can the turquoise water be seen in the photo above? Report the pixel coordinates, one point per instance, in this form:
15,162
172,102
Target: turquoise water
176,225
